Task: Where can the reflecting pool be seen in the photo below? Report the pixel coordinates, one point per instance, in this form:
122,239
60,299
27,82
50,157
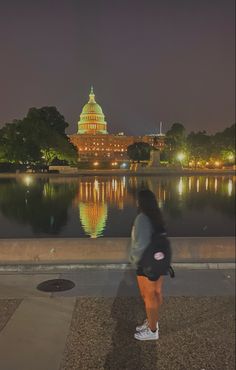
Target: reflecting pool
96,206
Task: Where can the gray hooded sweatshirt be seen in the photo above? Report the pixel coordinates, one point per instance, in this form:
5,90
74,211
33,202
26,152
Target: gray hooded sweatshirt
140,237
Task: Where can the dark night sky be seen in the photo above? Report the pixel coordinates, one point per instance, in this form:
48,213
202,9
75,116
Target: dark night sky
149,61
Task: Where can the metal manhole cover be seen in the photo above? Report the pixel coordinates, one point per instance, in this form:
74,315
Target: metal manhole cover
56,285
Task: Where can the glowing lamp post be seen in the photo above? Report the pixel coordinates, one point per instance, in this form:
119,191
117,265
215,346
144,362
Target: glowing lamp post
180,157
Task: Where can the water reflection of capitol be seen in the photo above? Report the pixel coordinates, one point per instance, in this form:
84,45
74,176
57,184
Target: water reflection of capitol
93,198
96,196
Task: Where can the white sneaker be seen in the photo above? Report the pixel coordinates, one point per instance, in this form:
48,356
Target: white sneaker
144,326
146,334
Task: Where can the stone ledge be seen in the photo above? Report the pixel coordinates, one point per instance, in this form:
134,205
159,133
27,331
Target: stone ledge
110,250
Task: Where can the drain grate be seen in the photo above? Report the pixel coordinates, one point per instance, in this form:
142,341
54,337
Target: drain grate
56,285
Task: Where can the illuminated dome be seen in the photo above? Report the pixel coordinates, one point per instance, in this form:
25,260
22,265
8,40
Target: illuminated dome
92,119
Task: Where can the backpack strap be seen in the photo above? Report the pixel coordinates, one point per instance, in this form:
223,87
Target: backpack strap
171,272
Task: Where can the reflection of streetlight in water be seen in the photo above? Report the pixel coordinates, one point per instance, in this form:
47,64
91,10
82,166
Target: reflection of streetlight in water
230,187
114,184
28,180
96,185
198,185
189,183
180,186
216,185
124,181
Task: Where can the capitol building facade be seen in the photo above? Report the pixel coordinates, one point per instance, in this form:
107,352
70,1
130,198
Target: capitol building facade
94,142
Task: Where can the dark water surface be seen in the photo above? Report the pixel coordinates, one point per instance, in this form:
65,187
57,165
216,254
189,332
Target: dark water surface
106,206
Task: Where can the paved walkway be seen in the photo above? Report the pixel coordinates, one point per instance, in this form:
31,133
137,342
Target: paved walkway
91,326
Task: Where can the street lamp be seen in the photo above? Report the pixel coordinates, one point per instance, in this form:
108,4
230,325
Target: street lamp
180,156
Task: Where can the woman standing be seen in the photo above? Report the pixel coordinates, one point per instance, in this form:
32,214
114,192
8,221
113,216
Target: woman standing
148,221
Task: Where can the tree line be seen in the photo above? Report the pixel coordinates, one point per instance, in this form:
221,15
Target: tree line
38,138
195,148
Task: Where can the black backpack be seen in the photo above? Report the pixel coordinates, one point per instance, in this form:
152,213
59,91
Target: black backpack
156,259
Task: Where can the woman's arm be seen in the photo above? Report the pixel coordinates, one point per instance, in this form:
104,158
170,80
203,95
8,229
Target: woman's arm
140,238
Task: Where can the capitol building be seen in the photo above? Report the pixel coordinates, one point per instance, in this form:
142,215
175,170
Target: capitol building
94,142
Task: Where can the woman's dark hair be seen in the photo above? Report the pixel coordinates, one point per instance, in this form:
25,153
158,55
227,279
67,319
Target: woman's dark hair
147,204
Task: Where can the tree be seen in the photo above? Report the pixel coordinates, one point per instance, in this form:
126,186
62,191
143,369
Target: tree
199,146
226,138
49,127
16,145
58,146
139,151
52,144
50,116
40,137
175,141
223,144
176,136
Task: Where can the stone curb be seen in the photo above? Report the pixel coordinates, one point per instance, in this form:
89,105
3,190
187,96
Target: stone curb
58,268
123,172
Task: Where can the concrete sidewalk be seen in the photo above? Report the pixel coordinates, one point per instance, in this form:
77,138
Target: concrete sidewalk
108,283
92,325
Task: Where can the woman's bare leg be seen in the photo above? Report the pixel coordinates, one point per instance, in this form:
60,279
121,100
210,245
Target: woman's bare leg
158,289
141,285
151,304
153,299
151,292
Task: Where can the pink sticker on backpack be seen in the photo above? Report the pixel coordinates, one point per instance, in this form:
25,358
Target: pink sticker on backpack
159,256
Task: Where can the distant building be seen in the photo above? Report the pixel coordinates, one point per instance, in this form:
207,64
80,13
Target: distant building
94,142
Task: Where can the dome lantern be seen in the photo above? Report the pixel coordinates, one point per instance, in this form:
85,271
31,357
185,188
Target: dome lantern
92,96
